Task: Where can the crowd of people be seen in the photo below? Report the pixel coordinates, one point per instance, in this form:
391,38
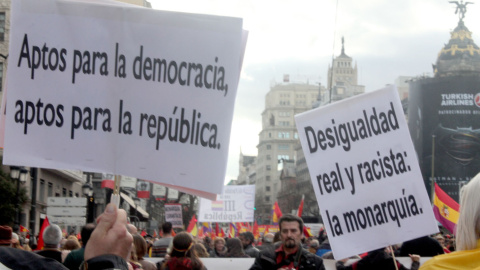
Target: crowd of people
114,244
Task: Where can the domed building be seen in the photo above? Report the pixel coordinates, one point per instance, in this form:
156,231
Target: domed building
444,114
461,56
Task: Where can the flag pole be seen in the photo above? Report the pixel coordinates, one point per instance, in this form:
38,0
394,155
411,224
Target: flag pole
393,257
432,182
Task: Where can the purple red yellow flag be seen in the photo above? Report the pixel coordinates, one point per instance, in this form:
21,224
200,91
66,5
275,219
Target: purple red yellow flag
446,209
232,231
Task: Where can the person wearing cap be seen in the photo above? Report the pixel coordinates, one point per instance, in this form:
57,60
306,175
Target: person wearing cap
5,236
52,235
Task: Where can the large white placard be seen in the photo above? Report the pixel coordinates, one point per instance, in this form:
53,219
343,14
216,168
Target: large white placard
365,173
173,214
235,204
125,90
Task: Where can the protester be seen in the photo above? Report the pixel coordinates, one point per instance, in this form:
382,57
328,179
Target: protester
52,235
277,238
182,256
267,242
219,249
160,247
324,247
467,255
5,236
133,260
107,248
16,241
235,249
425,246
208,243
72,243
75,258
289,255
379,259
26,245
314,245
441,241
247,239
201,250
141,251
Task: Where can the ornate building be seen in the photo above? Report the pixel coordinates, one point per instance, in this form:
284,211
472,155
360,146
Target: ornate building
444,113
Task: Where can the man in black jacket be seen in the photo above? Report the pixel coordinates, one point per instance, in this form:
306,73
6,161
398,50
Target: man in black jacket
290,254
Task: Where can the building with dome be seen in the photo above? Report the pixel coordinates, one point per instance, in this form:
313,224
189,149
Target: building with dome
444,114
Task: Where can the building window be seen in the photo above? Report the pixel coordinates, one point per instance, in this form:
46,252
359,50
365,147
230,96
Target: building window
50,189
42,191
267,198
269,147
269,157
295,135
285,157
2,26
70,193
267,188
268,167
284,114
267,177
283,135
77,195
284,123
283,147
64,192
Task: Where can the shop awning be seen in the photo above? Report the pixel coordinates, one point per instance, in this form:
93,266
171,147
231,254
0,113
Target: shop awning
130,201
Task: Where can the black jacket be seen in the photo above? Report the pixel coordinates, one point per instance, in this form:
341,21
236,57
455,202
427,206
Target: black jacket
21,259
267,259
376,260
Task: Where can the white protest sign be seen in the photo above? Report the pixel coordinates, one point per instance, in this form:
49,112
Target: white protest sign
159,190
172,194
128,182
124,90
173,214
235,204
365,173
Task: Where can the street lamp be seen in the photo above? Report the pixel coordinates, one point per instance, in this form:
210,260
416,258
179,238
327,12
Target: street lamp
20,174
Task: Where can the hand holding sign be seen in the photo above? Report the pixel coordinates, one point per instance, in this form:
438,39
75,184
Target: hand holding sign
365,174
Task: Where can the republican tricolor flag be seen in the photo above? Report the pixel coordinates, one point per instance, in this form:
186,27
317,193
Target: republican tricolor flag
446,209
232,231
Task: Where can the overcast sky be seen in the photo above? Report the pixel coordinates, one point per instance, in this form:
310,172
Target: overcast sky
386,39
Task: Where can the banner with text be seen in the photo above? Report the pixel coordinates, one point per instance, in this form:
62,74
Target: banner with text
125,90
173,214
365,173
235,204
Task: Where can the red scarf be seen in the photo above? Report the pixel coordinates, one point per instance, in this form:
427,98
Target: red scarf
175,263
